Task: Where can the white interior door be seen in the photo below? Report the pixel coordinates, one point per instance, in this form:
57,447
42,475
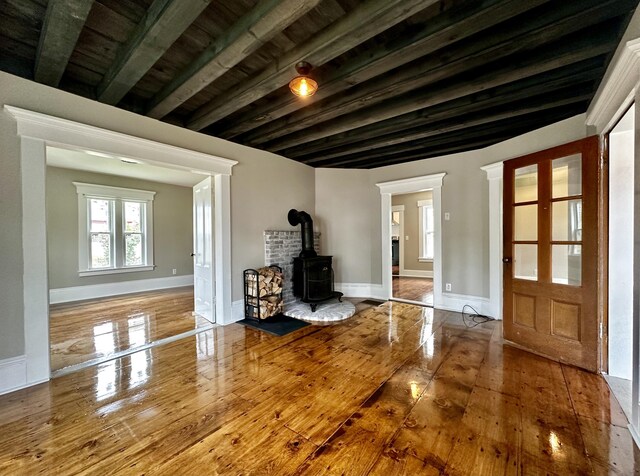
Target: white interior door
203,265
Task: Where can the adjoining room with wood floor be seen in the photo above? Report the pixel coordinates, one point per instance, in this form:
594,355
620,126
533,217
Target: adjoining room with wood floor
291,237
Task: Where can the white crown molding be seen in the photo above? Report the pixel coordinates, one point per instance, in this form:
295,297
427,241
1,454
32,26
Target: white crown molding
411,185
397,208
94,291
65,133
493,171
95,190
617,92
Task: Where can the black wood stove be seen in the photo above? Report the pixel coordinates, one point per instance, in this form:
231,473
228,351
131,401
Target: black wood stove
312,274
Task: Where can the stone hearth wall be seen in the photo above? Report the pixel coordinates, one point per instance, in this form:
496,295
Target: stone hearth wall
280,247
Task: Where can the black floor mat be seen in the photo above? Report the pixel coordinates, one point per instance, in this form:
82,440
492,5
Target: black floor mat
373,302
277,325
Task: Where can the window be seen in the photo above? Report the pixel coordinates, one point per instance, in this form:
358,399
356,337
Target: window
426,228
115,229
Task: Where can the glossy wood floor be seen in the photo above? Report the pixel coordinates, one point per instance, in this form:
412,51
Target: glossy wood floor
397,389
413,289
87,330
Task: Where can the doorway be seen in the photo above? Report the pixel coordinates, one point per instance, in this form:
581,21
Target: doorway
36,131
413,246
119,235
619,371
388,190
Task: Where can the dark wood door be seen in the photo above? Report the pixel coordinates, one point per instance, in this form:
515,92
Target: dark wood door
551,252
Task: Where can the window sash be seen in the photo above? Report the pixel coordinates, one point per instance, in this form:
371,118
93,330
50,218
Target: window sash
427,230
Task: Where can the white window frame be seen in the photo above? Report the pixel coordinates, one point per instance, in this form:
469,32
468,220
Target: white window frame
118,195
423,207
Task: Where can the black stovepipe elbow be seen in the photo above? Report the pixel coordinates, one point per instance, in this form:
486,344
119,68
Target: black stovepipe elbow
296,218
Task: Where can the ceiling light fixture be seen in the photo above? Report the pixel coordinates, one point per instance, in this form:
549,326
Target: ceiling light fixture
302,85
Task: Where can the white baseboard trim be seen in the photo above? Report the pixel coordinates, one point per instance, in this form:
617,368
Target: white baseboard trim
361,290
13,374
415,273
455,302
93,291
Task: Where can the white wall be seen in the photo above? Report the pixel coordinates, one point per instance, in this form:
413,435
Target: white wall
621,173
264,187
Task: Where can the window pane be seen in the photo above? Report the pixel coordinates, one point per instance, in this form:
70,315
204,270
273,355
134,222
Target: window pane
100,250
525,262
526,223
429,245
567,264
132,217
526,184
133,252
429,220
567,176
100,215
567,221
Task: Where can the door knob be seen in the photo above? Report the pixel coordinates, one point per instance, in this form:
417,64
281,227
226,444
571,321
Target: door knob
193,254
506,260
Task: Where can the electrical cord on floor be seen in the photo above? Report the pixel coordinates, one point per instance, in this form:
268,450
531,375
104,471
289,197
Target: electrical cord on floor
474,319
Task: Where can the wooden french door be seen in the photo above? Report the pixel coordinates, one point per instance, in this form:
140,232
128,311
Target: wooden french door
551,252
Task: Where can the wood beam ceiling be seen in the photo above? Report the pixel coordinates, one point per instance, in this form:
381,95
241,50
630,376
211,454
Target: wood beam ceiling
463,58
553,57
365,21
265,20
161,26
443,30
61,28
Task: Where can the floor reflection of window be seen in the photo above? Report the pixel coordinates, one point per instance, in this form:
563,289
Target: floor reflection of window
103,339
205,345
106,386
138,330
426,334
140,363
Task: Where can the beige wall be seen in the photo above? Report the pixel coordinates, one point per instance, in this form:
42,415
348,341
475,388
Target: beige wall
411,230
264,187
344,208
465,238
172,227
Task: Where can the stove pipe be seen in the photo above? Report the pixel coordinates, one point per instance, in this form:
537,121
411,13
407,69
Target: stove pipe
303,218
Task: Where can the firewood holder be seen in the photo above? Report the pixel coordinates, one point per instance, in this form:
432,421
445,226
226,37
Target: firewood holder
251,300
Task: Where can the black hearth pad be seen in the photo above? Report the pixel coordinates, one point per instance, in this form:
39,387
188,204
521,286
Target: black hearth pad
280,325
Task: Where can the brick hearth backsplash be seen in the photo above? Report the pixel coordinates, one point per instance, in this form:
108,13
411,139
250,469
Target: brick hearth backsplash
280,247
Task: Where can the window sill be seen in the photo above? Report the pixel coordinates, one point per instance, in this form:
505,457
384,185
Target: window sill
425,260
100,272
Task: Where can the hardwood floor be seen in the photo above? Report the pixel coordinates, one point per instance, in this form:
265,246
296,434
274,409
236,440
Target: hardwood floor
88,330
397,389
413,289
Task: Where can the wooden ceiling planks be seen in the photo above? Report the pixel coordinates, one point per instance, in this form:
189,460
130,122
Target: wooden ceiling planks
412,80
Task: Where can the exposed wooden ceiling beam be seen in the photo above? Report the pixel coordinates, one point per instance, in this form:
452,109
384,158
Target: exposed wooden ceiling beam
449,27
249,33
61,28
554,57
365,21
529,87
450,62
466,140
161,26
566,97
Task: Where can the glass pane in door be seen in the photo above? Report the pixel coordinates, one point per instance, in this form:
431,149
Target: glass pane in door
566,264
525,262
525,227
526,184
567,221
567,176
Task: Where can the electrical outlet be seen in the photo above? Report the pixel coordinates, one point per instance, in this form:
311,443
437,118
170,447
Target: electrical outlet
406,238
447,287
174,270
447,216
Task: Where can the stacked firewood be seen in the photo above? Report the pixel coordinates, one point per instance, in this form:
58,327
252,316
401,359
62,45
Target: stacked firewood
266,292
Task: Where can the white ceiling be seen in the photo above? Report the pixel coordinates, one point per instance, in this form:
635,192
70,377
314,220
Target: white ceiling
112,165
